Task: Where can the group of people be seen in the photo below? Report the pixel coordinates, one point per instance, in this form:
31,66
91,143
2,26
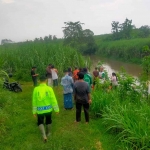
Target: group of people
76,84
51,74
100,74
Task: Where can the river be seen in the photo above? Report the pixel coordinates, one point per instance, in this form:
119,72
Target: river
115,66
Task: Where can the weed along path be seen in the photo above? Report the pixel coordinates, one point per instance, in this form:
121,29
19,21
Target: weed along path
20,131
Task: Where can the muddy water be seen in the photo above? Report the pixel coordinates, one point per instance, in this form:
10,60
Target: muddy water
115,66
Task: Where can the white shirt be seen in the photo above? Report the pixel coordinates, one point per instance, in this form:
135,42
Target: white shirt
54,74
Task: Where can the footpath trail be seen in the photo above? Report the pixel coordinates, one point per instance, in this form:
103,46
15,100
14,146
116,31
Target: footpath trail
22,133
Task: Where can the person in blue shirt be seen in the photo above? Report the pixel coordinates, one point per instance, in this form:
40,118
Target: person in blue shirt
67,83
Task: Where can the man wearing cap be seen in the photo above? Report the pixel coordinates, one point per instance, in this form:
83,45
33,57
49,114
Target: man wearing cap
34,76
43,103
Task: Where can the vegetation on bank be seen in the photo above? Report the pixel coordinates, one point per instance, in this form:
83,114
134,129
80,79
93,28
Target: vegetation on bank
125,109
124,50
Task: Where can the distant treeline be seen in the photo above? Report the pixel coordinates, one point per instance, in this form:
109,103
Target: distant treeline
125,41
18,58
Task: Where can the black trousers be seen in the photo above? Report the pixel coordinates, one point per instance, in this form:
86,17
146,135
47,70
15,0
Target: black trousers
46,116
78,111
34,81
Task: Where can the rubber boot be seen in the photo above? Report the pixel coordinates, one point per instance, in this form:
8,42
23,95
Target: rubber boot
48,129
42,129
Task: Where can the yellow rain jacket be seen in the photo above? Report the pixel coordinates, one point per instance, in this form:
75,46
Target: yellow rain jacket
44,100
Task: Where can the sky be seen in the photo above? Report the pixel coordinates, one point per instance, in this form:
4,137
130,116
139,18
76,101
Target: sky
22,20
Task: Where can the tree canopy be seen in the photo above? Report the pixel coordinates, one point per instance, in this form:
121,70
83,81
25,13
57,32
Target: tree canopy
76,37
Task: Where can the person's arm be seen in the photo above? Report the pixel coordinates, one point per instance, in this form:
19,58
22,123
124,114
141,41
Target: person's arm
89,98
54,101
89,95
56,70
35,75
74,93
34,98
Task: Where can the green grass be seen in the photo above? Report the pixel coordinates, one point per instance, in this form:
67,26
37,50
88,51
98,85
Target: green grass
19,130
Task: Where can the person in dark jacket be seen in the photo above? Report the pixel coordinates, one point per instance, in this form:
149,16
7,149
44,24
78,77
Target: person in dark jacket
34,76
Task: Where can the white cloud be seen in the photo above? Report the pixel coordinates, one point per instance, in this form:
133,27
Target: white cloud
8,1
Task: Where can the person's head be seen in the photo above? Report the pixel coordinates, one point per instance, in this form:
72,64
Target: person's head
52,66
69,69
80,69
43,78
101,68
85,70
33,68
65,71
80,75
113,74
95,68
75,67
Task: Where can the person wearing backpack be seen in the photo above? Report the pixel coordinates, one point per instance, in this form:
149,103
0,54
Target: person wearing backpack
87,77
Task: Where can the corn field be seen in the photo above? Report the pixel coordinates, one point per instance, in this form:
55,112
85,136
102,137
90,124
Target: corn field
19,58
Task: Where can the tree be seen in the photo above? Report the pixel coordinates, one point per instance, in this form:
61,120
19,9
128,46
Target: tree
73,33
115,29
5,41
126,29
144,31
76,37
54,37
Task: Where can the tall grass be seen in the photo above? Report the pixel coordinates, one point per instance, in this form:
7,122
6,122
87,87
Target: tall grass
125,112
126,50
19,58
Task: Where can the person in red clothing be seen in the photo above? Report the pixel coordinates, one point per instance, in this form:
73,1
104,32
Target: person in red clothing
75,74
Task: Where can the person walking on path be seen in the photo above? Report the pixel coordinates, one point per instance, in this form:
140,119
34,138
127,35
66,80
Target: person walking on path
67,83
54,75
43,103
34,76
82,97
49,74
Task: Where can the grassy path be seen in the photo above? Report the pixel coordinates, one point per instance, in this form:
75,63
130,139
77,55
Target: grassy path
20,131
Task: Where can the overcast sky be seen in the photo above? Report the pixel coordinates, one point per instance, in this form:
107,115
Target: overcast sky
27,19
